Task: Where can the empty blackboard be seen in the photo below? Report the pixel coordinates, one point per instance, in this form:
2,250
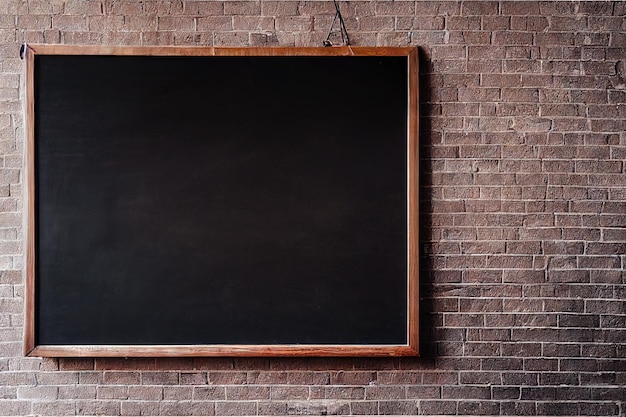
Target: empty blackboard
207,201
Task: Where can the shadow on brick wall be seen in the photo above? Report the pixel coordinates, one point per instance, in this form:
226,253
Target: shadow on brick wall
428,348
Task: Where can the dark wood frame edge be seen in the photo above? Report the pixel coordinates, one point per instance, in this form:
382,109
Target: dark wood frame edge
412,347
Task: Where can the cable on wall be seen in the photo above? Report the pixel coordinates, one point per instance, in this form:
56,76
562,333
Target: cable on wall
345,40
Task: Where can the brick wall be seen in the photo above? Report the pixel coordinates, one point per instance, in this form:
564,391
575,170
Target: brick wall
523,182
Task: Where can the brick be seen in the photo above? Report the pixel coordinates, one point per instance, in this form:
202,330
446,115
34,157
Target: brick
560,378
112,392
280,8
33,22
204,8
160,378
395,8
272,408
597,378
518,408
294,23
523,152
193,378
430,407
133,408
478,407
305,378
83,7
10,277
88,377
480,378
480,8
141,23
557,408
322,8
176,23
247,393
398,407
252,23
121,377
122,8
289,392
422,23
45,7
77,392
235,408
263,39
190,38
604,351
523,378
175,408
587,409
344,393
8,22
533,24
422,392
376,23
396,378
239,38
242,7
538,393
353,378
52,408
210,393
385,393
444,377
176,393
597,9
214,23
75,23
39,393
512,38
145,393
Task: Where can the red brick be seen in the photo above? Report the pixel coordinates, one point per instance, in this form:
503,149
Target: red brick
398,8
533,24
312,8
512,38
176,23
294,23
252,7
420,23
239,38
204,8
123,8
160,378
221,23
279,8
436,406
376,23
520,95
209,393
73,23
145,393
463,23
523,149
40,392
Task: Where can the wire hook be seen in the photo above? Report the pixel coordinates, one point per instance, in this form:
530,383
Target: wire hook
345,40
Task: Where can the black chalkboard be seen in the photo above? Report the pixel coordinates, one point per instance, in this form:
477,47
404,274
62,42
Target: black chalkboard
220,200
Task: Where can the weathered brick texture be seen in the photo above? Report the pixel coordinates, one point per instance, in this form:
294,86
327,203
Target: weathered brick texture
523,214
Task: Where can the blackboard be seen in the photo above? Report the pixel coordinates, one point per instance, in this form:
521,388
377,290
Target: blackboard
206,201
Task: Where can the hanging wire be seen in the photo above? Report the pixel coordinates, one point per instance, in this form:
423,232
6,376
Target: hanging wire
345,40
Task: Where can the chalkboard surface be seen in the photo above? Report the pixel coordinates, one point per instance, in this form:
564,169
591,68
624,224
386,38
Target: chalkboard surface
237,203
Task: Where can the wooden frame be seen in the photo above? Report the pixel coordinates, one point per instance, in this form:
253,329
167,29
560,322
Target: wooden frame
31,348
